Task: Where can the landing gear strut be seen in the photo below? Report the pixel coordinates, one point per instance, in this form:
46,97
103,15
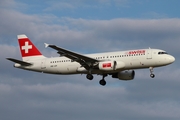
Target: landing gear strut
89,76
151,71
103,82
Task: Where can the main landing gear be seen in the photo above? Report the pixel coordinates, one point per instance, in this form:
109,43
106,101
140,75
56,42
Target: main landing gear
89,76
101,82
151,71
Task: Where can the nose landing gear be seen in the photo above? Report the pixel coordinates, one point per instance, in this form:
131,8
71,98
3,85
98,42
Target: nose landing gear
151,71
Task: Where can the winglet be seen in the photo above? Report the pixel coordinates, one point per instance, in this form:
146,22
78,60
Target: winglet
46,45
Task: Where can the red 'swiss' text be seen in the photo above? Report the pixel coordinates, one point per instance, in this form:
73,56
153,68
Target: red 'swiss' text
137,52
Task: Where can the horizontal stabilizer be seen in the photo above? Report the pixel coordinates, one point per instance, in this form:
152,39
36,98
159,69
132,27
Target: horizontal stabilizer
19,62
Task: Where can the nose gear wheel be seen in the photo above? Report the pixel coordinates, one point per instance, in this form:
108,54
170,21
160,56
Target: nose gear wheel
151,71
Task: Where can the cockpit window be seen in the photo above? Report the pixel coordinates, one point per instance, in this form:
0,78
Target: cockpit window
160,53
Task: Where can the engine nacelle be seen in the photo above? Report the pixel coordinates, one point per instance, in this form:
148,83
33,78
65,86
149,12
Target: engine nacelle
124,75
111,65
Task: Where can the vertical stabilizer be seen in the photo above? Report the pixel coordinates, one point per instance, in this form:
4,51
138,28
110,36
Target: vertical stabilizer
28,49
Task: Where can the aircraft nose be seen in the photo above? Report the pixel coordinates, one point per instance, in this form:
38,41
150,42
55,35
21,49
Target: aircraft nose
171,59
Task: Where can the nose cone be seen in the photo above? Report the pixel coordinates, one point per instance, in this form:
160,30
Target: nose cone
171,59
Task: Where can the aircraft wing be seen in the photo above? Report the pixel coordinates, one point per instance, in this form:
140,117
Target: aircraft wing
19,62
85,61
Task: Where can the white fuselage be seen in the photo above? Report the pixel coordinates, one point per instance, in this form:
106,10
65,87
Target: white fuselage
118,64
132,59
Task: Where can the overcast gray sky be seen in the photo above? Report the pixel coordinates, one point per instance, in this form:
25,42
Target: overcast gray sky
87,27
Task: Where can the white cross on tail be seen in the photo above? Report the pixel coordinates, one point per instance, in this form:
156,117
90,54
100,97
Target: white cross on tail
26,47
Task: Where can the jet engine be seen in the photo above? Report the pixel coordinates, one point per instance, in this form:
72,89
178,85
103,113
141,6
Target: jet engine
124,75
111,65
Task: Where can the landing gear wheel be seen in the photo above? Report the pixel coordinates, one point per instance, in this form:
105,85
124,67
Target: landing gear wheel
89,76
151,71
102,82
152,75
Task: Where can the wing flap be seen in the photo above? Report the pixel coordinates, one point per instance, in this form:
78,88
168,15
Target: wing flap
19,62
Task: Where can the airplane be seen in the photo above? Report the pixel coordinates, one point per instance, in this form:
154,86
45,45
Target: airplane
119,64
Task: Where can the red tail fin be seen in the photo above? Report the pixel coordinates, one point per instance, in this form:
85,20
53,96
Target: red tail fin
27,48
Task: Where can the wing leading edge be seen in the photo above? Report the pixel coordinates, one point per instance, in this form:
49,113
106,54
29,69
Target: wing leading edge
85,61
